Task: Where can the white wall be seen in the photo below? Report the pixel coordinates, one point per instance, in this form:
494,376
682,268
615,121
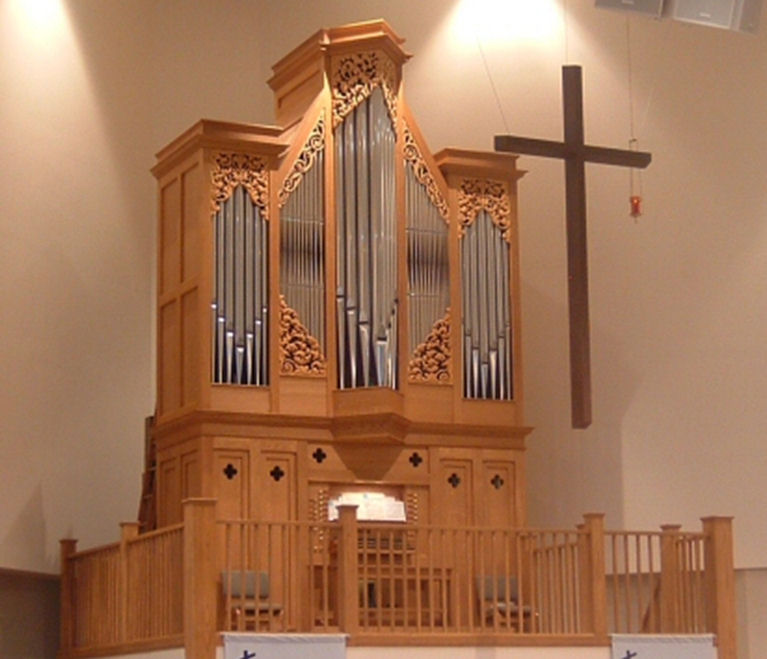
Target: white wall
678,300
479,653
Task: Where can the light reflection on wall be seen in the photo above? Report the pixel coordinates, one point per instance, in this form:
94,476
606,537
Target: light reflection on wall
40,20
507,20
65,259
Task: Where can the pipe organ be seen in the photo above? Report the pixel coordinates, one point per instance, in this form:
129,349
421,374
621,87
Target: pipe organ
338,307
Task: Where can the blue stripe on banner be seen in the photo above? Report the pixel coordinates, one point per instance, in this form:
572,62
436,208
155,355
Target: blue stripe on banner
284,646
628,646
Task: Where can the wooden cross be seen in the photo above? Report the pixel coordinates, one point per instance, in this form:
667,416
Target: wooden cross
575,153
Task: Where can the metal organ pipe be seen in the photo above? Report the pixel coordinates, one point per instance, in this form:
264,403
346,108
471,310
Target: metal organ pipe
366,274
486,311
239,307
427,259
302,252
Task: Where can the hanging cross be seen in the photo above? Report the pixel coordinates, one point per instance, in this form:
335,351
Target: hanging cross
575,153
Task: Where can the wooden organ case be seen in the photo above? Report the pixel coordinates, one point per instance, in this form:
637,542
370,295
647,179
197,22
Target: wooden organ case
338,309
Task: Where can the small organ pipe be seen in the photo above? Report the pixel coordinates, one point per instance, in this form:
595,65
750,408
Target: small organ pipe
342,344
240,283
486,322
219,299
427,257
249,315
229,287
239,288
263,281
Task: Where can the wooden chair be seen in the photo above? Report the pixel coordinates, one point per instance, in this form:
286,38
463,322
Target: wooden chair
247,596
498,598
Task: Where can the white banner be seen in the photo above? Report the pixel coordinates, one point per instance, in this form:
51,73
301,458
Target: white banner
284,646
628,646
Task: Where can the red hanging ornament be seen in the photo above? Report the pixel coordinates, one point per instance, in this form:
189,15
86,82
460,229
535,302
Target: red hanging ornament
636,205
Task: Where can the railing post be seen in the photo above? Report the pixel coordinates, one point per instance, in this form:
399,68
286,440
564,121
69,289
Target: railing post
128,531
593,573
200,577
720,584
348,577
67,547
669,579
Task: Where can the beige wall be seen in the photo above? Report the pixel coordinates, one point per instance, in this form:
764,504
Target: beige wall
751,598
75,273
678,300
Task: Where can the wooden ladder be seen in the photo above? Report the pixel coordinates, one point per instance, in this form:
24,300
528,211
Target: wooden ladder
147,510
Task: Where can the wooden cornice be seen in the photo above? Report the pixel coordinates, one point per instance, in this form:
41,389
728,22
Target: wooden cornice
376,428
267,141
479,164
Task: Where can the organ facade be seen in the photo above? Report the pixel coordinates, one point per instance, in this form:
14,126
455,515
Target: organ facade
338,308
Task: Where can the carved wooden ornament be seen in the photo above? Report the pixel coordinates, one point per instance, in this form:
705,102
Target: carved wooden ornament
431,359
233,169
305,160
423,175
300,352
477,195
354,78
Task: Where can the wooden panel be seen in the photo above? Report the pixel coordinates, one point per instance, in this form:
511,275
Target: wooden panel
303,395
232,483
495,509
190,224
231,486
169,395
453,505
497,489
371,463
169,487
454,501
170,252
276,498
190,341
190,475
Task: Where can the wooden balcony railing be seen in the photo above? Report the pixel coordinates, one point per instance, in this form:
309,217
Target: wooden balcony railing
395,583
128,593
656,581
